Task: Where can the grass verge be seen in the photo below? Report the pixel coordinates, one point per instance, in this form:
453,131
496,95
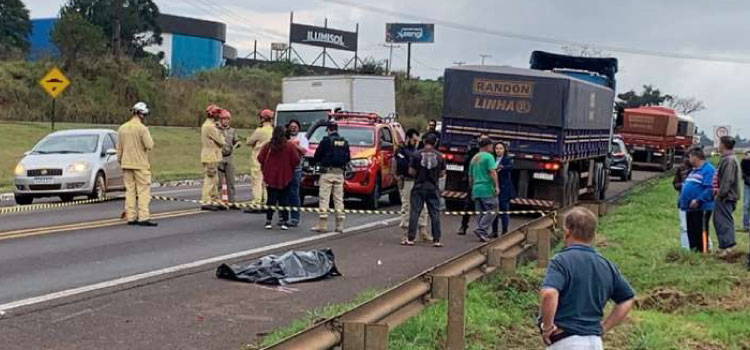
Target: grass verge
175,156
686,300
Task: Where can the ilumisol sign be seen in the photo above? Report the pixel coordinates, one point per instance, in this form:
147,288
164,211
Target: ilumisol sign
323,37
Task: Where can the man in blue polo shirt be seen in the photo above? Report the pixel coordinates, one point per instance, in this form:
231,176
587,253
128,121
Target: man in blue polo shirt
578,284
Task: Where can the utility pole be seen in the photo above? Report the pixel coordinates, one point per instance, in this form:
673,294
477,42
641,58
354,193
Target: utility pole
390,56
116,32
483,56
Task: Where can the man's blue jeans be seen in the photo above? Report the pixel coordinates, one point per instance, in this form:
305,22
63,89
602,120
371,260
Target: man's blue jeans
294,196
484,221
746,208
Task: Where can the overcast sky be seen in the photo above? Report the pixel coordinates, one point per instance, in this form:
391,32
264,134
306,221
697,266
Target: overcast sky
715,28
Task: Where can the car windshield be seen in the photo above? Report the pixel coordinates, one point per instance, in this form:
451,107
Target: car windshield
64,144
305,118
357,136
616,148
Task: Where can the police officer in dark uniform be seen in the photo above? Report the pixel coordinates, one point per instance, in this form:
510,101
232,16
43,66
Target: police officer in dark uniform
333,156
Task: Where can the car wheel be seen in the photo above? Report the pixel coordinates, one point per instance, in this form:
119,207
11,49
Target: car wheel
630,175
67,197
624,176
373,201
23,200
100,188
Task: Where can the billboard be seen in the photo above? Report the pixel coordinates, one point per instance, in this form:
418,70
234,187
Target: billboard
323,37
721,131
409,32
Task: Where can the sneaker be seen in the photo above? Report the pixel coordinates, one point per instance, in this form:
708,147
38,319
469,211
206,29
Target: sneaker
407,242
133,223
437,244
481,237
147,223
725,252
268,225
292,224
284,227
492,235
461,231
209,208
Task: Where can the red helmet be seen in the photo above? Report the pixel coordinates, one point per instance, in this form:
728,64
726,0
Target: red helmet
211,110
225,114
266,115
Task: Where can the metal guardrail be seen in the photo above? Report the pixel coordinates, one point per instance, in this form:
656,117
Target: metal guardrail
366,326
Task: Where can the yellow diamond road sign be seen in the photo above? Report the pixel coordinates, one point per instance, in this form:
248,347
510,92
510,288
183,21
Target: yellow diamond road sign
54,82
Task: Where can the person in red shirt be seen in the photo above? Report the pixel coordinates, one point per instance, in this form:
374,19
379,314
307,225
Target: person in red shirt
278,159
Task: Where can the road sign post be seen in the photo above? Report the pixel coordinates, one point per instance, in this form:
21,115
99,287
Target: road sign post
54,83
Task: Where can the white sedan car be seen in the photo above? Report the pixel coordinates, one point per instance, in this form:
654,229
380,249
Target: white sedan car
67,164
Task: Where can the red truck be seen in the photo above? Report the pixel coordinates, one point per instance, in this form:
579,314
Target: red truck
656,136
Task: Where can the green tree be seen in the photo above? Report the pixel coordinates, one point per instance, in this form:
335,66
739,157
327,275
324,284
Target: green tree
650,96
372,66
137,21
15,27
76,38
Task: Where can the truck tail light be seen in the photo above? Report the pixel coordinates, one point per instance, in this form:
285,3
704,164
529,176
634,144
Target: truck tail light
551,166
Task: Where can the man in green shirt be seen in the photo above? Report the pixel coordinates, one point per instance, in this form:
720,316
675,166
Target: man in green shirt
484,187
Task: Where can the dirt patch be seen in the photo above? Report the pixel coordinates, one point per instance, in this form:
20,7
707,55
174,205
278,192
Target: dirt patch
670,300
733,257
519,283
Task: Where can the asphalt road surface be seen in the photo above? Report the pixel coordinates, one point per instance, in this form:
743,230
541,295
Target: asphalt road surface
52,250
48,251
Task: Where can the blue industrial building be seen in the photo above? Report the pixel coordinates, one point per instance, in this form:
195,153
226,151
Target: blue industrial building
39,41
189,45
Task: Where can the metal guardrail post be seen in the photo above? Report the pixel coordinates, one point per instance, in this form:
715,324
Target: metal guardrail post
364,336
456,333
543,246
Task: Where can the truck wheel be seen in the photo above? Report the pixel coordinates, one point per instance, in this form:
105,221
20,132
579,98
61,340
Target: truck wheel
23,200
568,197
605,188
373,200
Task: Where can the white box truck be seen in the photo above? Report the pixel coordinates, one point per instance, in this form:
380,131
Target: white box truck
309,99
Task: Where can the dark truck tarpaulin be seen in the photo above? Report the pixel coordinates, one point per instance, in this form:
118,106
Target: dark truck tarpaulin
291,267
526,97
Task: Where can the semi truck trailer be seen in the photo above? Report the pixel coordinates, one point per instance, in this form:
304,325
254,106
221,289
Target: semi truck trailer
556,118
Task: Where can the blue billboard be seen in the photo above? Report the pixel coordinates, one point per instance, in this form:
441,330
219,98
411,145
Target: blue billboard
409,32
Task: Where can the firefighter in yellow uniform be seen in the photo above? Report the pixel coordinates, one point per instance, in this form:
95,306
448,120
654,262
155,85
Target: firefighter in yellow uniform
133,144
212,141
256,141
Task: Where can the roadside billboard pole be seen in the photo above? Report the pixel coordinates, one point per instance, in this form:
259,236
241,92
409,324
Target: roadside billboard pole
408,60
289,48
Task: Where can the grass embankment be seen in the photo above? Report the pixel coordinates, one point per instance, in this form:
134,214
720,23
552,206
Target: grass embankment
176,153
686,300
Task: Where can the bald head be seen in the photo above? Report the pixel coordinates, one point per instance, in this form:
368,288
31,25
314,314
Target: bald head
580,223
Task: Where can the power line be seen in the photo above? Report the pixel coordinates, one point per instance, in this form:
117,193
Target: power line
540,39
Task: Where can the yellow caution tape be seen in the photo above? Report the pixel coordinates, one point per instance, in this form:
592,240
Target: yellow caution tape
47,206
334,211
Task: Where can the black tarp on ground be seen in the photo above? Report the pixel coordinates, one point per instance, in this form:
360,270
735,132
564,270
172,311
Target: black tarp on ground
291,267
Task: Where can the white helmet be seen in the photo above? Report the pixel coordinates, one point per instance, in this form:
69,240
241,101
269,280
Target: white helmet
140,108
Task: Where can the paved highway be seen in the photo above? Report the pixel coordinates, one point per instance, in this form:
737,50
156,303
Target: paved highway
48,251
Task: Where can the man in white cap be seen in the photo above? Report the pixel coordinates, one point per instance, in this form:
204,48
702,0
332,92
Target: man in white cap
133,144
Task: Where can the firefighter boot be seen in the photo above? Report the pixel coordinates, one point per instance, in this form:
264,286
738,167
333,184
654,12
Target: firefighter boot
322,225
339,225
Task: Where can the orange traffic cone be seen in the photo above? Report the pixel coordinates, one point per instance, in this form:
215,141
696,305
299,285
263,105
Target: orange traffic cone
224,191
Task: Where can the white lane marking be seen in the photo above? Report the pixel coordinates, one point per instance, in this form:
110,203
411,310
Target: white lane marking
182,267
